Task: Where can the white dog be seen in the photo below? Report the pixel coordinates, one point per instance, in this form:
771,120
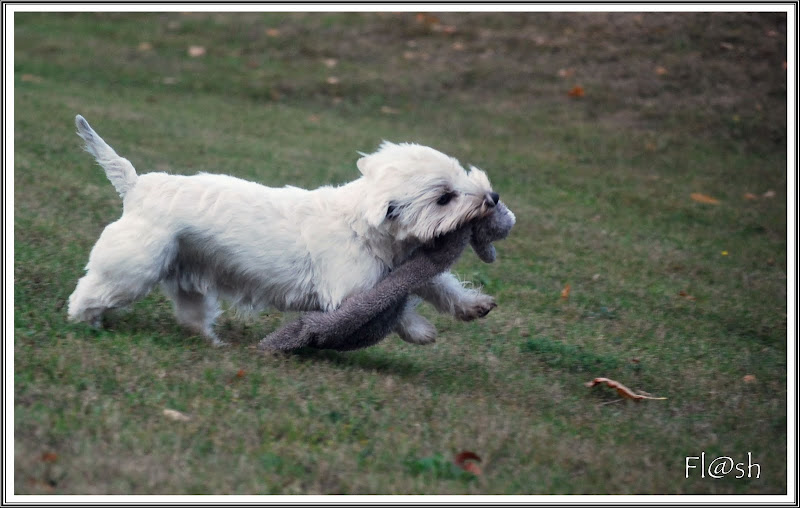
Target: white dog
211,237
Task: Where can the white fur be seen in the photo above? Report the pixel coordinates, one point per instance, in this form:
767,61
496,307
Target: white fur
209,237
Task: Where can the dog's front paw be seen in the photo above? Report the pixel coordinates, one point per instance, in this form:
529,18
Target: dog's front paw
478,308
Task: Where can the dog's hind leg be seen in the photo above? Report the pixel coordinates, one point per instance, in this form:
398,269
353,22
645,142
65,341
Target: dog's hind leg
413,328
194,310
129,258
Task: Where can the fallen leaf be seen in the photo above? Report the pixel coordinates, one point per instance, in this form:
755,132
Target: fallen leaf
565,292
577,91
726,45
330,63
769,194
724,253
176,415
621,389
144,46
272,32
168,80
771,261
49,457
196,51
566,73
750,196
703,198
772,33
661,71
427,19
458,46
386,110
750,378
31,78
240,374
471,467
332,80
686,295
312,119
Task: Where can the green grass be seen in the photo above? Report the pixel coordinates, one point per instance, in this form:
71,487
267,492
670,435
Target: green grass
601,188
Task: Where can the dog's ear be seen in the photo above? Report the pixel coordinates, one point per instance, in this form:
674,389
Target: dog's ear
374,164
363,163
368,165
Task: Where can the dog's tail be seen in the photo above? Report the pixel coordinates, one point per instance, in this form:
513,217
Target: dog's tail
118,169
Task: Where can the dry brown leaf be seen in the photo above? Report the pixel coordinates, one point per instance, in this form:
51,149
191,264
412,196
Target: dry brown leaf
686,295
577,91
565,292
144,46
769,194
176,415
703,198
332,80
750,196
621,389
272,32
661,71
427,19
750,378
31,78
471,467
566,73
241,373
330,63
49,457
386,110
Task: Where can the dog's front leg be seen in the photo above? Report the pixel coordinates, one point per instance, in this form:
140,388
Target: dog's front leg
449,295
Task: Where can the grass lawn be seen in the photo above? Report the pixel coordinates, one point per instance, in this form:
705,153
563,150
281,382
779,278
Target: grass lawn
595,129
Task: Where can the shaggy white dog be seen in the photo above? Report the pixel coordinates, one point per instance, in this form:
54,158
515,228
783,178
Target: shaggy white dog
210,237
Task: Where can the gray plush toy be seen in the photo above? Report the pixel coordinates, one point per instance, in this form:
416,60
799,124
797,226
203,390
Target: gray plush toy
367,318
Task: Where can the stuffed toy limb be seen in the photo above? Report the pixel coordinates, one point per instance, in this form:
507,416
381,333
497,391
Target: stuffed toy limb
367,318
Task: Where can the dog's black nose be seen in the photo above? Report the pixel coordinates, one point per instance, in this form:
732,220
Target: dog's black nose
492,198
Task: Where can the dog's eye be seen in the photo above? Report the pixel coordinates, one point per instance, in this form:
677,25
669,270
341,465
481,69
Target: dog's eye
445,198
